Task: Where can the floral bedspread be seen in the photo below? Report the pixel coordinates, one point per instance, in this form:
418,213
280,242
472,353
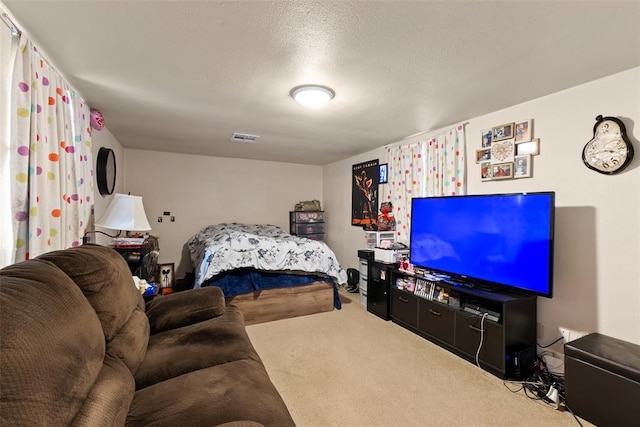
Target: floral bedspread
228,246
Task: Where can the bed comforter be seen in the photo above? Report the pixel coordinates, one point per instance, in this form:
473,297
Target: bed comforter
229,246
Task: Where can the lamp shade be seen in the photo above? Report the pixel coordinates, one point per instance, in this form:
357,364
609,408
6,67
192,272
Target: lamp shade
125,212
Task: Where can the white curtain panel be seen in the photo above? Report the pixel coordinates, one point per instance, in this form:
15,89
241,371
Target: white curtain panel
445,158
435,167
51,160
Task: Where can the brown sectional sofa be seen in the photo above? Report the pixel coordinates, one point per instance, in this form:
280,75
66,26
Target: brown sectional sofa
79,347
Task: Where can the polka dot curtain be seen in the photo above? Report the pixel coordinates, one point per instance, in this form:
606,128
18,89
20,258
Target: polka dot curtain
50,155
435,167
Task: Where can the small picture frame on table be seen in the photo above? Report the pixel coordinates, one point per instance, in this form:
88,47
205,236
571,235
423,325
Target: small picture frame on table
505,131
502,170
522,166
383,173
167,276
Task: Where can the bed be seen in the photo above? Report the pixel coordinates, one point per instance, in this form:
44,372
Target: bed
266,272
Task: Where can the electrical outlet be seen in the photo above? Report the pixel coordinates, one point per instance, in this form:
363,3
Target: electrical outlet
570,334
565,333
540,330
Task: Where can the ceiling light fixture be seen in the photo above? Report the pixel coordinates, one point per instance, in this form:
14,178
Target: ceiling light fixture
312,96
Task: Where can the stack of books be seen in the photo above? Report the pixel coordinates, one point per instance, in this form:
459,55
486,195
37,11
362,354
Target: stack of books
127,242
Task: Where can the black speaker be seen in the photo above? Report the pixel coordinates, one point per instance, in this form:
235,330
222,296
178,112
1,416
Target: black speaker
353,277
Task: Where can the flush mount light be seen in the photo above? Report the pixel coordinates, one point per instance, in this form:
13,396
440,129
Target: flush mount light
312,96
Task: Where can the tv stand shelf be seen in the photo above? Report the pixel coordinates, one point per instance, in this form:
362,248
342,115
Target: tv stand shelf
456,317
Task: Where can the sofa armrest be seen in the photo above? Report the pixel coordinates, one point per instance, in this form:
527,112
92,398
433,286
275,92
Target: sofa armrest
184,308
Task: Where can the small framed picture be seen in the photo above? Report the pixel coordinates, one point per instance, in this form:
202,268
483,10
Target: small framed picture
485,171
502,170
522,168
383,173
501,132
483,155
167,275
524,130
486,138
528,147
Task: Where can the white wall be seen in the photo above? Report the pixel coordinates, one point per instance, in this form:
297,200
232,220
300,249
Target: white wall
201,190
597,259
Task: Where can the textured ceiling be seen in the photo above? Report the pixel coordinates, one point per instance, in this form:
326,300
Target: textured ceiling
182,76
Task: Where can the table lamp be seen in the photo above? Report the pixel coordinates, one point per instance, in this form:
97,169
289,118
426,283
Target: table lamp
125,213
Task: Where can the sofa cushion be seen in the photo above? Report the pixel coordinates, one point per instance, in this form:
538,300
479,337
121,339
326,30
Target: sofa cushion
52,346
108,402
212,342
104,278
235,391
184,308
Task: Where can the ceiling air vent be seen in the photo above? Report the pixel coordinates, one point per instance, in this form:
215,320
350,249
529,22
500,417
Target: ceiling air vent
243,137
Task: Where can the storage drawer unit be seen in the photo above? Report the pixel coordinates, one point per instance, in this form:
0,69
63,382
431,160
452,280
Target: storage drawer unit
404,307
306,217
452,317
310,228
374,239
366,256
437,320
307,224
378,292
469,329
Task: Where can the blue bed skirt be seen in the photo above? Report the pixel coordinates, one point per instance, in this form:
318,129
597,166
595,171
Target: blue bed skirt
243,281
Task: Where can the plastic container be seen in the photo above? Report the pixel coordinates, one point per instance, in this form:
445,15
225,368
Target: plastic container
373,239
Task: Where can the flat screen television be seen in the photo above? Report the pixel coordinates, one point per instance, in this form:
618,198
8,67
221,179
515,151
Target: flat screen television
491,241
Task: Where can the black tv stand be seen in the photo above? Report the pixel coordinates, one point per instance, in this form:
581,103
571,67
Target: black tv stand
485,288
474,285
506,321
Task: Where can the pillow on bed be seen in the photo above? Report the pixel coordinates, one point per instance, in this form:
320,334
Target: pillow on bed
184,308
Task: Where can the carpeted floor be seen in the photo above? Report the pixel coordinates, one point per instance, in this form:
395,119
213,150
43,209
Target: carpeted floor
350,368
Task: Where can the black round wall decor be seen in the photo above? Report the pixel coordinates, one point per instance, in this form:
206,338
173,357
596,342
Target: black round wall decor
106,171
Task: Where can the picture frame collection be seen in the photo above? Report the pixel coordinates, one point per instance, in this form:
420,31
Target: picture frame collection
506,151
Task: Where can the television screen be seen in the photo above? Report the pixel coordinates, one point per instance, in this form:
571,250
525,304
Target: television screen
503,240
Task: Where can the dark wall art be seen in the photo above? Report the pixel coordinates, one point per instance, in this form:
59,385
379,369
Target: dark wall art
364,196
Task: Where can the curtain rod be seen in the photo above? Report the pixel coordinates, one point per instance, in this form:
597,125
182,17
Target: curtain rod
14,30
426,132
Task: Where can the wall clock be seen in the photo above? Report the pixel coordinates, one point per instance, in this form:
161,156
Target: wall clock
610,150
106,171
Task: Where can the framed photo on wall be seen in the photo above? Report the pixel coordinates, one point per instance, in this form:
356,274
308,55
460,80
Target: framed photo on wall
502,170
528,147
364,193
486,138
524,130
167,276
483,155
522,166
505,131
383,173
485,171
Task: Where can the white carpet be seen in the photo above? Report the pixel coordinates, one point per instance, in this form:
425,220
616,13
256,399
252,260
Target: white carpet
350,368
